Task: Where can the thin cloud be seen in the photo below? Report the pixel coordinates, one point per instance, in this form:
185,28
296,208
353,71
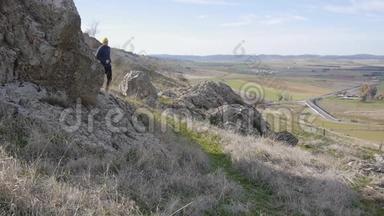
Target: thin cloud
244,21
266,20
275,20
202,16
358,7
206,2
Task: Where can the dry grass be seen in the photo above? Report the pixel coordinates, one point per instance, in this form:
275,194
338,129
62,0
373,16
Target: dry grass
67,178
51,174
24,191
303,183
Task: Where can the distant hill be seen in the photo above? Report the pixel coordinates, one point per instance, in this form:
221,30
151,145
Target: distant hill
243,58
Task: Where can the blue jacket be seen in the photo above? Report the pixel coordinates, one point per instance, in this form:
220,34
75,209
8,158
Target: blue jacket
103,54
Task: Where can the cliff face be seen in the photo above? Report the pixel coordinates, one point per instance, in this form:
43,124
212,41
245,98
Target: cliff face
41,42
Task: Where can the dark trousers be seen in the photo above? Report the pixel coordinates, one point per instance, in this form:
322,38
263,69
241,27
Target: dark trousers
108,72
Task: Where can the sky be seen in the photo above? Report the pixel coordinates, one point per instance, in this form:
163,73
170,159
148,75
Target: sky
208,27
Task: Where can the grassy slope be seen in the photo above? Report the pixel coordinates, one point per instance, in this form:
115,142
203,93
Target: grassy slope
159,178
259,196
338,147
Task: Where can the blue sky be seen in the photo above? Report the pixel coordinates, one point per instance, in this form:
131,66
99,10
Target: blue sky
205,27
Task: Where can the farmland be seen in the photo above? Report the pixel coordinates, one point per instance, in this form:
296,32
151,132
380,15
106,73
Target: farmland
287,83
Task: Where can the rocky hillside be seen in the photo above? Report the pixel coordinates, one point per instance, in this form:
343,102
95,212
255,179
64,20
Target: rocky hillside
41,42
100,155
158,147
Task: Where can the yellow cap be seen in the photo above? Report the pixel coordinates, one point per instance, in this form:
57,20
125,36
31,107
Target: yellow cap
105,40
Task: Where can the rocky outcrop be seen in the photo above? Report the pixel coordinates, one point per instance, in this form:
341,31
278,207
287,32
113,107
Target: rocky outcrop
92,42
208,95
245,120
41,42
286,137
138,84
87,127
217,103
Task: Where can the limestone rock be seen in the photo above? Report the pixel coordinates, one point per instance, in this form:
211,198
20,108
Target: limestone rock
209,94
42,42
138,84
221,106
31,102
92,42
242,119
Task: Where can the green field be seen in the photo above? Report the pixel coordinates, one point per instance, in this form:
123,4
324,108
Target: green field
361,131
355,104
364,120
271,93
356,111
304,80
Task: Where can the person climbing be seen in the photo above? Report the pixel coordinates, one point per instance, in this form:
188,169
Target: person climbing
104,56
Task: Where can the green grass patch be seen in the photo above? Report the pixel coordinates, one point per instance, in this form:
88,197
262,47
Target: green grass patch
373,208
259,195
361,182
166,101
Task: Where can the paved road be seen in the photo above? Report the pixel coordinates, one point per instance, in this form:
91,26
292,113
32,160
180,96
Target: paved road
312,104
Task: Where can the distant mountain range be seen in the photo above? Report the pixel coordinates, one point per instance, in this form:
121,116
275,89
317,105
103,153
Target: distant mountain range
244,58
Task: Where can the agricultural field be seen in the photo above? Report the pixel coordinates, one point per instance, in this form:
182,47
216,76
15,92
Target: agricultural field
302,122
369,132
274,89
292,82
355,111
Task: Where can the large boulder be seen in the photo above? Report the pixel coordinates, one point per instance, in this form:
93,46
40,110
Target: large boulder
35,105
41,42
138,84
217,103
242,119
209,94
286,138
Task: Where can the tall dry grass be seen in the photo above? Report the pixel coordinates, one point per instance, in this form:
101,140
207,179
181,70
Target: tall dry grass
52,174
303,183
24,191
